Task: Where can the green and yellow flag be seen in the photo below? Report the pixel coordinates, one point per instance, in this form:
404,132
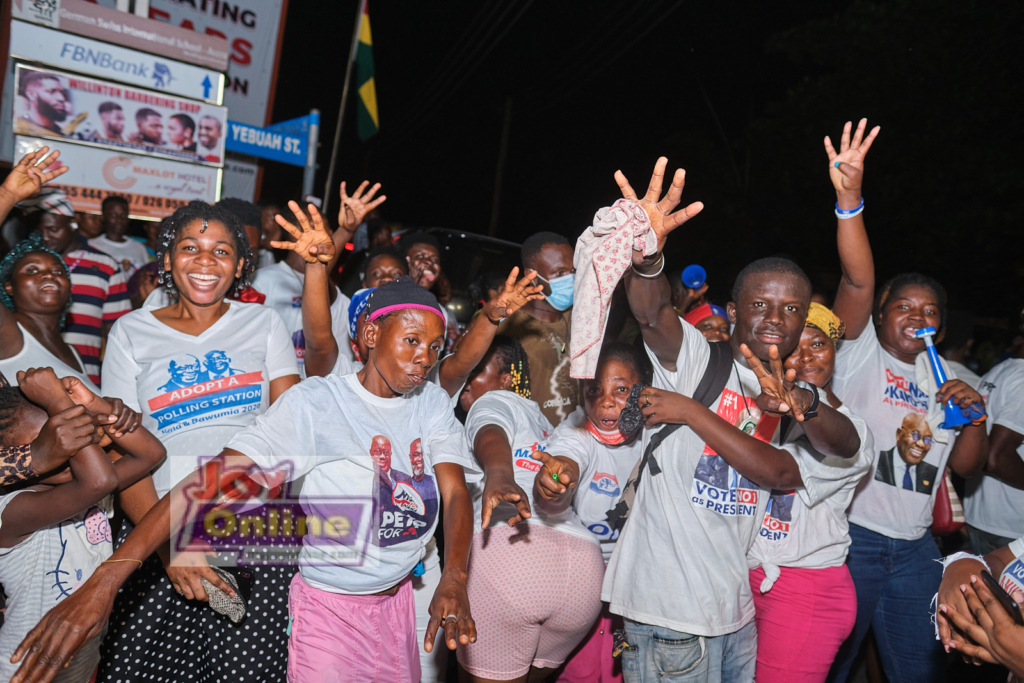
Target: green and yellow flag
369,124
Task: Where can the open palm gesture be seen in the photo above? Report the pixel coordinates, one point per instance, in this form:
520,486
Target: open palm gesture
354,208
514,296
846,169
30,174
660,209
313,241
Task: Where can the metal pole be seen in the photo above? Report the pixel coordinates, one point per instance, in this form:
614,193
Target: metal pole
341,110
500,172
309,174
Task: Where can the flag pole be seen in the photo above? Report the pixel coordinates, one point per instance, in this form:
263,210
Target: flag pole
341,110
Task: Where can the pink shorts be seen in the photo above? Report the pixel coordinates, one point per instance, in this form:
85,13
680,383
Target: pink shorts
592,661
801,622
534,593
338,637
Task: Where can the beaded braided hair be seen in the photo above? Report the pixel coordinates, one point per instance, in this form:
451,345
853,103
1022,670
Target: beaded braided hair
30,245
512,360
170,232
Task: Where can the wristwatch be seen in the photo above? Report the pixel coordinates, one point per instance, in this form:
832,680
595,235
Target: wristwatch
811,412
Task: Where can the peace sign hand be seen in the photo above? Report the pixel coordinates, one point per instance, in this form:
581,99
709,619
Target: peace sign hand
514,296
312,242
354,208
29,175
660,210
846,169
779,393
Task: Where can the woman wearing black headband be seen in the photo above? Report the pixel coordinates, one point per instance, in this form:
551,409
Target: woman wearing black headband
379,450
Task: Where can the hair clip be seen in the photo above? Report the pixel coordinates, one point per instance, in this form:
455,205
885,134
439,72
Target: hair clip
205,225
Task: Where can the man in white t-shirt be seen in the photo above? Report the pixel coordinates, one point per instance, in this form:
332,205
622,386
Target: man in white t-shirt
685,531
130,254
994,502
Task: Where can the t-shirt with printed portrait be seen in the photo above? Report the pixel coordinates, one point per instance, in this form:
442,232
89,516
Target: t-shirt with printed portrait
367,460
196,392
691,524
897,497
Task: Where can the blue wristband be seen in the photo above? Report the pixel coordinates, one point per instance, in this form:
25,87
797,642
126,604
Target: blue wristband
842,213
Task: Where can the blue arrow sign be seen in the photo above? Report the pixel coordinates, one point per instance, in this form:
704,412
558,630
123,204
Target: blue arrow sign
206,87
268,143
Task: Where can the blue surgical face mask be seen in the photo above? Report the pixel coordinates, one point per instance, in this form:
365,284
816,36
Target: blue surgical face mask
560,297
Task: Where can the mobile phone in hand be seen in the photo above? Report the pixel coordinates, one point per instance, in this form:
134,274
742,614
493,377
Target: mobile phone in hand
1008,603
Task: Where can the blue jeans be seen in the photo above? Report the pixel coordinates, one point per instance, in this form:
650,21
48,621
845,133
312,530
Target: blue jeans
656,654
895,582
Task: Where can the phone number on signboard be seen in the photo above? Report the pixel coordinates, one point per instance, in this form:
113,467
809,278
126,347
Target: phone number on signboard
135,200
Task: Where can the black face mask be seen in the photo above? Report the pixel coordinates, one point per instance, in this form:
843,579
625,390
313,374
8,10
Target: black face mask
631,420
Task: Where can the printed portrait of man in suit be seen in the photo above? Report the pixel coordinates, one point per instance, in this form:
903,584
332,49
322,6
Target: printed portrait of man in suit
909,471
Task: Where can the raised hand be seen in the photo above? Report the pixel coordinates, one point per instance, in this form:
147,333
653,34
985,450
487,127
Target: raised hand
312,239
660,210
450,608
779,393
29,175
846,168
514,296
557,475
354,208
504,489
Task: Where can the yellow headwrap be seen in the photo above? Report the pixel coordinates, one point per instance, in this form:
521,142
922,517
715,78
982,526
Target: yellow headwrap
825,320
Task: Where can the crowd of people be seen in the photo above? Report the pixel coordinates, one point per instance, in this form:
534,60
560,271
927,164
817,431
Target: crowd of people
224,461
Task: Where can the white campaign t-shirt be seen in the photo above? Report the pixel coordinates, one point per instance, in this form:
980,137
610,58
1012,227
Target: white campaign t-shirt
346,366
681,561
195,393
1012,578
807,527
283,288
360,457
130,254
991,505
883,391
527,430
604,470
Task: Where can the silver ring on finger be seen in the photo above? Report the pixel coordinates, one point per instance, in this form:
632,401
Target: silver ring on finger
451,616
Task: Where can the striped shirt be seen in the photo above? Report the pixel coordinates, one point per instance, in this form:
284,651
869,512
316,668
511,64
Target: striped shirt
99,295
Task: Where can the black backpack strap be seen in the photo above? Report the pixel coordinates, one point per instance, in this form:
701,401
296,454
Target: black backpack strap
711,385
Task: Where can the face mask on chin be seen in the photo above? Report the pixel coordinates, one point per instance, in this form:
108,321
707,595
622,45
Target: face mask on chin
560,297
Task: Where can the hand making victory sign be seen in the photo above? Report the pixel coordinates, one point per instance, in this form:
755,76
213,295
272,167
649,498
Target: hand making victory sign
660,209
779,393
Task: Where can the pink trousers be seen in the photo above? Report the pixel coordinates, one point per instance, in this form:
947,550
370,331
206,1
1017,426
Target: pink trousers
801,622
336,638
592,661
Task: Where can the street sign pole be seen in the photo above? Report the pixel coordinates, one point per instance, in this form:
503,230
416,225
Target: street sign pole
309,174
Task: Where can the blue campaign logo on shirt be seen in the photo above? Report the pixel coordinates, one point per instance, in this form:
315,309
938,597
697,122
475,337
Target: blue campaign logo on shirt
1012,578
778,517
200,390
523,457
606,484
405,505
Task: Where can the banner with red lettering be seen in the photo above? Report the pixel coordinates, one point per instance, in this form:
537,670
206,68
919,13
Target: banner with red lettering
59,105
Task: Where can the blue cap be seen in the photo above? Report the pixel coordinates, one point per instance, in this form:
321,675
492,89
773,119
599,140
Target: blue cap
694,276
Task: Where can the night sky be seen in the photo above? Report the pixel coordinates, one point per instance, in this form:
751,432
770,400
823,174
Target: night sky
740,94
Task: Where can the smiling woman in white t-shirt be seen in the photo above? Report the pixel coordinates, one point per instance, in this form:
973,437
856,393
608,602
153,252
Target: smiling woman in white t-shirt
522,554
884,376
198,371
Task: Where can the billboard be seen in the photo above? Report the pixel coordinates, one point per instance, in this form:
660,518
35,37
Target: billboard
55,104
153,187
252,29
75,53
138,33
